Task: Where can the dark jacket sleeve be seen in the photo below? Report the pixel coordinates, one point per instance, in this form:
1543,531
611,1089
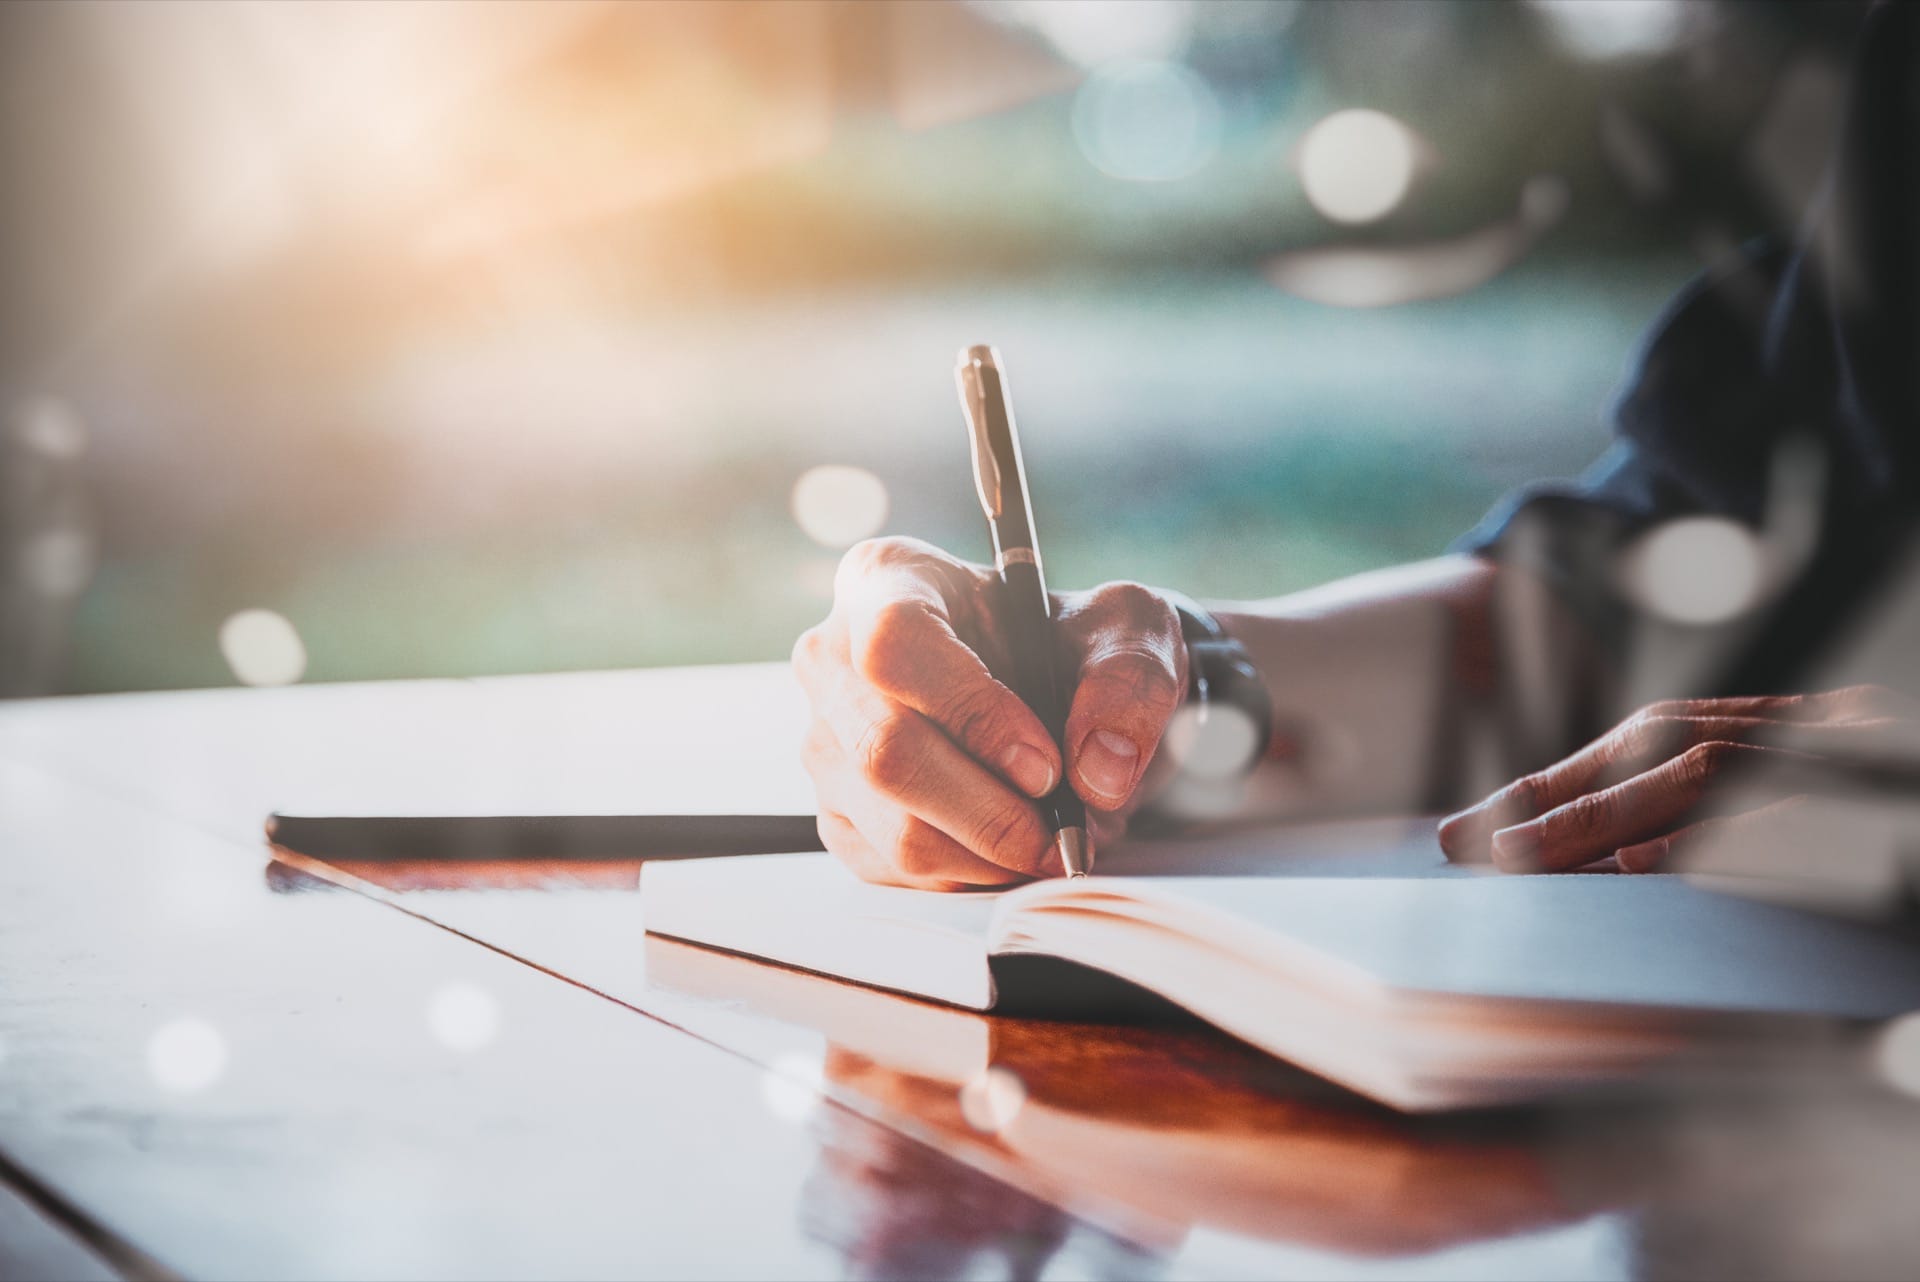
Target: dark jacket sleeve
1800,354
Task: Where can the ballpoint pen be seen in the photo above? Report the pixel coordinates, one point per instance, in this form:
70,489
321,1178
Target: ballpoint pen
1026,610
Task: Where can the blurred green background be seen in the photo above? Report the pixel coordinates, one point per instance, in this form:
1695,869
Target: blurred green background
485,338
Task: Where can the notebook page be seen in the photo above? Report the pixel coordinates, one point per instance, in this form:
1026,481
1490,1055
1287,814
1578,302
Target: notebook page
1613,940
808,911
1389,847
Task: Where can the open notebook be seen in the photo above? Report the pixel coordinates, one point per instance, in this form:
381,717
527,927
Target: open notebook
1423,992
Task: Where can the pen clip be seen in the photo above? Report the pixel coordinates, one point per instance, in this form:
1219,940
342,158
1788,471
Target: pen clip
973,403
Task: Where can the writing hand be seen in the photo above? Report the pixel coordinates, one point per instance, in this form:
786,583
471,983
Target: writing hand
925,764
1678,775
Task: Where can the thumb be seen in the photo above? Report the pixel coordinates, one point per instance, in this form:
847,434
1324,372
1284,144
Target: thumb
1131,681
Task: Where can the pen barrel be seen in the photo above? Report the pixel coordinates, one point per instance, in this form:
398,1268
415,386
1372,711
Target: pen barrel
1027,619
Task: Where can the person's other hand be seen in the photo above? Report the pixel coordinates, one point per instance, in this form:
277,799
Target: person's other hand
1680,775
926,766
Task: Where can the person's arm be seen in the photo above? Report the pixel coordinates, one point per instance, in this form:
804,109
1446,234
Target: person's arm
1375,682
926,766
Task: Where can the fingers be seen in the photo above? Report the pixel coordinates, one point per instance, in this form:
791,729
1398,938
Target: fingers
928,869
898,763
1636,745
1643,808
919,757
899,598
1851,723
1131,677
935,813
1815,706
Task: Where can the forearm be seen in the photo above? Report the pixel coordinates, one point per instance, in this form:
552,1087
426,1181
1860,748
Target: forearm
1377,681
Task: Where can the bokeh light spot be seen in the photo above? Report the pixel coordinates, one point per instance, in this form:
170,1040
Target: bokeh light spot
187,1055
1696,570
793,1087
1211,742
49,426
1093,32
839,505
1607,29
992,1100
1357,165
1146,121
262,648
1897,1054
463,1017
59,563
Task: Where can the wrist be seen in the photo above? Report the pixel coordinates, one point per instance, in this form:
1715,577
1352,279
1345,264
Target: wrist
1228,713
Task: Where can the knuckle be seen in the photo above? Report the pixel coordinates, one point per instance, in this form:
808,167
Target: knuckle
973,714
1142,678
890,754
1656,733
876,559
1704,760
1590,814
871,554
1635,733
886,654
1521,796
1133,601
894,554
896,622
809,648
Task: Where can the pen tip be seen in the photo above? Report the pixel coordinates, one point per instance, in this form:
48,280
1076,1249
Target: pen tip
980,354
1076,853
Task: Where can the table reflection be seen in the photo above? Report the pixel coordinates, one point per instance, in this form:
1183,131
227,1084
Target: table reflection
1199,1155
1155,1129
1300,1171
898,1208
